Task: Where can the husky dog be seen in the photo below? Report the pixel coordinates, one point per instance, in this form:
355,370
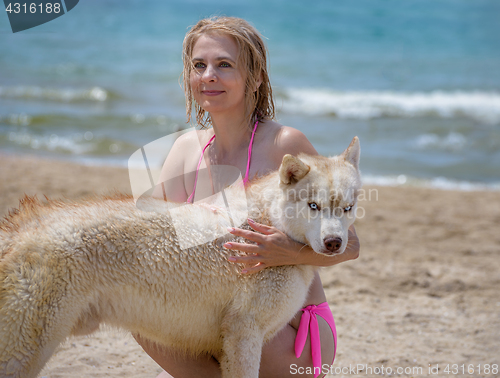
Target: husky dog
67,267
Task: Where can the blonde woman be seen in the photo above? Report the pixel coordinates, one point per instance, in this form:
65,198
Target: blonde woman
226,81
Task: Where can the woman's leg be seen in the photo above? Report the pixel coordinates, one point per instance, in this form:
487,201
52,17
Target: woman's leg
278,357
178,365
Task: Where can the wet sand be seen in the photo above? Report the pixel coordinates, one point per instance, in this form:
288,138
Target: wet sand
424,290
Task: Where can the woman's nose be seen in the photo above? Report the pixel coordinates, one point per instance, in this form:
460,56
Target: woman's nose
209,74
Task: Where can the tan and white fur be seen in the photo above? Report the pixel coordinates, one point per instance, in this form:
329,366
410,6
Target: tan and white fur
66,267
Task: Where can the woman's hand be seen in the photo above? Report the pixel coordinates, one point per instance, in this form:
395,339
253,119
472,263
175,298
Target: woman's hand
275,248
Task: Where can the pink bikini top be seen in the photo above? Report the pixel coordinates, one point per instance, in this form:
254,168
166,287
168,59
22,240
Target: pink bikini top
245,179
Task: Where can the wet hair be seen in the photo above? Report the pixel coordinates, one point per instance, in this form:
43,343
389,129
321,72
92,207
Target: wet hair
259,104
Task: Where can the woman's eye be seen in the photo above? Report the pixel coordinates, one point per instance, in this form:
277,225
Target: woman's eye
314,206
348,208
199,65
225,64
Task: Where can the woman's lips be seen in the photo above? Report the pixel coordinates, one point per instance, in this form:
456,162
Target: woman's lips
212,93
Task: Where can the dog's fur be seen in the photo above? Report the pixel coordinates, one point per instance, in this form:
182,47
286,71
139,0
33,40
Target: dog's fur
66,267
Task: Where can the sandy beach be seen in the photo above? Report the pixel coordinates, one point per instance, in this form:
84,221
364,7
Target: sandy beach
422,295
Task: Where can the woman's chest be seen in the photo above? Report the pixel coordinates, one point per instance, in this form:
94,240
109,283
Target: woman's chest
209,173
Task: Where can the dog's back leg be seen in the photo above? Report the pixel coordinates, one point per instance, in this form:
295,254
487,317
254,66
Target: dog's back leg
26,362
30,336
34,315
26,341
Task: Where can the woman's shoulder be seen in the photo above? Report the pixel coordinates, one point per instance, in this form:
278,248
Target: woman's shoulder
193,136
187,145
288,140
184,148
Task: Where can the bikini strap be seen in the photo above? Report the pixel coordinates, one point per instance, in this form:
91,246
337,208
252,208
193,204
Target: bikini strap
245,179
309,321
191,197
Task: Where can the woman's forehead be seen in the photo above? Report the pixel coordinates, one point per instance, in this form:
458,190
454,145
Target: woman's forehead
216,42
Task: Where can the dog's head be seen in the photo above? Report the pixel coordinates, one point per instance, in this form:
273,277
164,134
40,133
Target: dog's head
319,200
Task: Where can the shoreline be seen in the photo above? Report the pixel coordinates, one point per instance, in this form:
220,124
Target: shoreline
423,291
401,181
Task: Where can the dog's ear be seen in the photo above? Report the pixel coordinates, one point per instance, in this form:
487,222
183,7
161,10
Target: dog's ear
351,154
292,169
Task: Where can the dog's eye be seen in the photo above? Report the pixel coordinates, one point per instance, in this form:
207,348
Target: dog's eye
313,206
348,208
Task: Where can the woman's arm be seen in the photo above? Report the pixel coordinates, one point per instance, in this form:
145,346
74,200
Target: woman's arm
170,184
274,247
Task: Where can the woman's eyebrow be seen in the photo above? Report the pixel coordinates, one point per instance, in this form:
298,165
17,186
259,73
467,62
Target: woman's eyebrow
225,58
218,59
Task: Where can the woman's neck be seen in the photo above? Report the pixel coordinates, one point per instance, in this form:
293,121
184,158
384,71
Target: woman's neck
232,135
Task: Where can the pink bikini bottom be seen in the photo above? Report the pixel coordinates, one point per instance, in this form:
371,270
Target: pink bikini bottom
309,321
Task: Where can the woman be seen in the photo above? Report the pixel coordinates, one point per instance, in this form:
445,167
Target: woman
226,79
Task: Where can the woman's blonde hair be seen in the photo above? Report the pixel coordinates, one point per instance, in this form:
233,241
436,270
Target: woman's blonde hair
252,57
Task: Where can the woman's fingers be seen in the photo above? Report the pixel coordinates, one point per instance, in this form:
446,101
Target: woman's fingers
247,260
257,237
273,247
247,234
260,227
243,247
253,263
254,269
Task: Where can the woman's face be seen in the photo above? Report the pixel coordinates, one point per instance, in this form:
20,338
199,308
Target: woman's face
217,82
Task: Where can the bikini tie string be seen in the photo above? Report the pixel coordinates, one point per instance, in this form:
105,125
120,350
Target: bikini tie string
309,321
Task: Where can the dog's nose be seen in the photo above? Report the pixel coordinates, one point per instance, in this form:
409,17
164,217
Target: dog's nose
333,244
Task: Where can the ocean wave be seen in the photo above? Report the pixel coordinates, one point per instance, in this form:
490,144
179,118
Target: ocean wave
85,143
481,106
453,141
67,144
119,122
94,94
435,182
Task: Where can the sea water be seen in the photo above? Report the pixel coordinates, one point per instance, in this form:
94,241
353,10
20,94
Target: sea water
417,80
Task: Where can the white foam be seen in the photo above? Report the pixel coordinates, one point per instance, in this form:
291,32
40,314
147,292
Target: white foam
96,94
453,141
51,143
436,182
482,106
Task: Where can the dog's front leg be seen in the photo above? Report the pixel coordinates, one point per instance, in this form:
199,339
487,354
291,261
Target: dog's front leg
242,348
